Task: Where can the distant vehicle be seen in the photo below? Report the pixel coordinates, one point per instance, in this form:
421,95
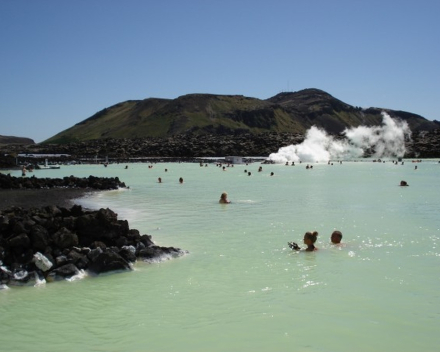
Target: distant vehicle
47,166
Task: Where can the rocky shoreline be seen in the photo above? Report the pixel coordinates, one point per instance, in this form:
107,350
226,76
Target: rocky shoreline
92,182
41,244
423,144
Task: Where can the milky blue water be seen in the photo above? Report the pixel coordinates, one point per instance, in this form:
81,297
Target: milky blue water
241,288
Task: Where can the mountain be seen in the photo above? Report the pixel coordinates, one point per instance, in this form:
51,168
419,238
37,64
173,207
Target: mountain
15,140
201,114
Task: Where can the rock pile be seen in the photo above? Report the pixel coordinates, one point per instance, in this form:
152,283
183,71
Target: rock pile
51,243
99,183
424,144
178,146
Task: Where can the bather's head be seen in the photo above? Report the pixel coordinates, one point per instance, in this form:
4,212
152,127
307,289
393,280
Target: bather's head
336,237
224,198
310,238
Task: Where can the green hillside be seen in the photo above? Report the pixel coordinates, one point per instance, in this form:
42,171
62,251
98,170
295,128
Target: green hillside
6,140
199,114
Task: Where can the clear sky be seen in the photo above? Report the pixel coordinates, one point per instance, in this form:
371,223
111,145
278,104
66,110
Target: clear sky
62,61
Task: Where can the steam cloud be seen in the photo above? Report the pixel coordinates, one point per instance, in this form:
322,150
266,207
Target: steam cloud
387,140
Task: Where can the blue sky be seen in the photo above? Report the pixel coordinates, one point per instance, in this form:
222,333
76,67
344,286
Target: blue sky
62,61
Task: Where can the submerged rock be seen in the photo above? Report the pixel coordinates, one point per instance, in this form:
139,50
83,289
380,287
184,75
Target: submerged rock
156,253
108,261
128,253
63,272
23,277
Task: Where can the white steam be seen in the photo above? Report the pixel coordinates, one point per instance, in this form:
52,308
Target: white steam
387,140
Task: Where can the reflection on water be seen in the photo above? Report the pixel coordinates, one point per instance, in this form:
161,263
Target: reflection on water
241,287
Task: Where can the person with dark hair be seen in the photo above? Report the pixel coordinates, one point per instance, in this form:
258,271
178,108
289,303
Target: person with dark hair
336,237
224,198
309,240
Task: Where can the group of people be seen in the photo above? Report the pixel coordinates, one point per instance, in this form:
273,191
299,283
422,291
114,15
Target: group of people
310,239
159,180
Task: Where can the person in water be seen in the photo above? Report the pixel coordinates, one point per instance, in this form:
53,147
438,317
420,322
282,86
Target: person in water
224,198
309,240
181,180
336,237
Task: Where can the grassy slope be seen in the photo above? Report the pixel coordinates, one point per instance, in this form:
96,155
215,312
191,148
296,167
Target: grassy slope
208,113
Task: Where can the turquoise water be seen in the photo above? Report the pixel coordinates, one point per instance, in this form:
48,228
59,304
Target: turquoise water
241,288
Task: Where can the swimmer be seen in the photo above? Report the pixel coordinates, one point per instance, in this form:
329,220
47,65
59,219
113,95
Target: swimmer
271,174
224,198
336,237
181,180
309,240
404,183
159,180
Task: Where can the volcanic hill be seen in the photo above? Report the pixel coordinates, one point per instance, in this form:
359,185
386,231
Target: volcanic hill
5,140
205,114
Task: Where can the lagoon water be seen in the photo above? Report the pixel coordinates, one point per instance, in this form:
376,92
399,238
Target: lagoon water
241,288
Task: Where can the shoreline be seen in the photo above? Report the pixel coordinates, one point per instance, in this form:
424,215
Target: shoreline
38,198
